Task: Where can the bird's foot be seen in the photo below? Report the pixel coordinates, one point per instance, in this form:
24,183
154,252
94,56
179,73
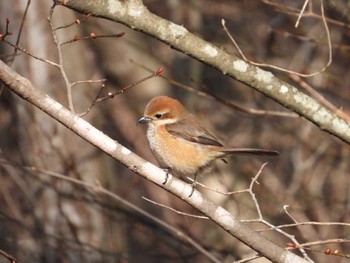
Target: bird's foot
193,185
167,171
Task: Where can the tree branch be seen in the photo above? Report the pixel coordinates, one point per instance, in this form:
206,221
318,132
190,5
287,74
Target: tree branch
135,15
25,89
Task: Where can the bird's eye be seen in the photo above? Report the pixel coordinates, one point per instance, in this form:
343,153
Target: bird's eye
158,115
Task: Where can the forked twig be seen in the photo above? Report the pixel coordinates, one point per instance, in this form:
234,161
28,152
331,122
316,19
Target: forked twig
111,95
263,221
329,43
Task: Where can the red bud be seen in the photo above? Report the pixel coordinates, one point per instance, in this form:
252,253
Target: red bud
160,71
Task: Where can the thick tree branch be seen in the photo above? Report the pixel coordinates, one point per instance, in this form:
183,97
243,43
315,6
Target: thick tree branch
25,89
135,15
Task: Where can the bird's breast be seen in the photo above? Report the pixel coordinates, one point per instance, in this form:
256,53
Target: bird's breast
180,155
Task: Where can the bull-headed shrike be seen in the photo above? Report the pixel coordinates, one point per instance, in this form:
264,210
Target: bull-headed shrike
180,143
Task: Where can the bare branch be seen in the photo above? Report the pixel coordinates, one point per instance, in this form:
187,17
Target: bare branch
8,256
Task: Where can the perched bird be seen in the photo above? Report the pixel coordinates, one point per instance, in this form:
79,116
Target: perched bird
180,143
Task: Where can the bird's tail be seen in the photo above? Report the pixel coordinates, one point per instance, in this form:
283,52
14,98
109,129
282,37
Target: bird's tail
249,151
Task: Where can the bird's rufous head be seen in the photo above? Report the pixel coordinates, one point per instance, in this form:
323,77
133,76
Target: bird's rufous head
163,110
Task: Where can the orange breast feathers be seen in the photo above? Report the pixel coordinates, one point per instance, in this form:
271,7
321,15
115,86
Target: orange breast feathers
180,155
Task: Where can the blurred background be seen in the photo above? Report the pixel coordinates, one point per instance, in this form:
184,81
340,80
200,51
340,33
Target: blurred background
45,219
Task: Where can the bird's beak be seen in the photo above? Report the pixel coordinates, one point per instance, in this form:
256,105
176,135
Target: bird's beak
144,120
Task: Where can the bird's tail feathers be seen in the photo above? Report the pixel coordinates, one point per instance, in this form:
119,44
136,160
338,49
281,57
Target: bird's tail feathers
250,151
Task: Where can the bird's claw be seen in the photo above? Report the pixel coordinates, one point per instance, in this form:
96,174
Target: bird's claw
193,185
166,170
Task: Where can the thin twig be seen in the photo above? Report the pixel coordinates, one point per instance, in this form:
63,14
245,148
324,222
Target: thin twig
75,22
218,191
263,221
77,38
89,81
20,32
8,256
296,12
94,101
310,223
60,61
329,43
327,241
17,47
285,209
301,13
328,251
111,95
23,50
174,210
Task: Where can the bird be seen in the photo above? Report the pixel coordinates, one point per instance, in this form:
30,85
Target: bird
181,144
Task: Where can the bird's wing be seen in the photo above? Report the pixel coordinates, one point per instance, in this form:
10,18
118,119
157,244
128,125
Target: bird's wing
191,130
